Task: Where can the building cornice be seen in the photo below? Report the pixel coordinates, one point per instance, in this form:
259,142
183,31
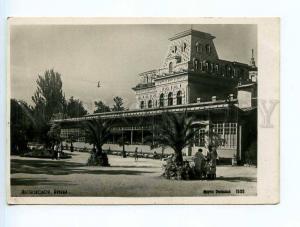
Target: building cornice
143,86
194,107
193,33
167,76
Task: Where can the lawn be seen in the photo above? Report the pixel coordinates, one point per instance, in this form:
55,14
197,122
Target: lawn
125,177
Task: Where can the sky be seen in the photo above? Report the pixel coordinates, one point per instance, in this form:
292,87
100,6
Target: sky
111,54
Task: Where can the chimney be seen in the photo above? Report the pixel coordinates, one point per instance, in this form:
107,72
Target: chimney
214,98
198,100
230,97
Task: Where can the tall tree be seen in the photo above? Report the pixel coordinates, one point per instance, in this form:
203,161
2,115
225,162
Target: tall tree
21,126
118,106
48,97
101,107
49,103
75,108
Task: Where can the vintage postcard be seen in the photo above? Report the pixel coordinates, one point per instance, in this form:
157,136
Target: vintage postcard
143,110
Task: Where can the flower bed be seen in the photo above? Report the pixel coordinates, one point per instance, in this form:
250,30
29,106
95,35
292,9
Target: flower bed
140,155
44,153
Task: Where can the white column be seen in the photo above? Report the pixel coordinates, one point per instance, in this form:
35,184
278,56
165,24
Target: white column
131,136
187,95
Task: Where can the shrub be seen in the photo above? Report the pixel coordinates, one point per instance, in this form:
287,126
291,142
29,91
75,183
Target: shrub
96,160
174,171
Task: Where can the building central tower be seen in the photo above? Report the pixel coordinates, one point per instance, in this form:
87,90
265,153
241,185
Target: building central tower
190,72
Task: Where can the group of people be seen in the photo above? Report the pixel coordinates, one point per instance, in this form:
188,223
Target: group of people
205,166
57,151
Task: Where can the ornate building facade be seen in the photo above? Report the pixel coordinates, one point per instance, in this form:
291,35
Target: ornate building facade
220,94
191,72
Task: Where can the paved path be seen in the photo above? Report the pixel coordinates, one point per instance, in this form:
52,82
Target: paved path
125,177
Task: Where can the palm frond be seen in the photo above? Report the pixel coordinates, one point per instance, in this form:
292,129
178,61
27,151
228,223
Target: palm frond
175,131
97,131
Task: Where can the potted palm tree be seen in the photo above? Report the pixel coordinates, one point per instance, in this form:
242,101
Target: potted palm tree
97,132
175,131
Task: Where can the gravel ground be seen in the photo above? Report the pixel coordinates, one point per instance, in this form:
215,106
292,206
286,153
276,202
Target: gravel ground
125,177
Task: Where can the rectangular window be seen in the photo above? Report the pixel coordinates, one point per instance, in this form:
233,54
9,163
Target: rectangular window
202,137
199,138
228,132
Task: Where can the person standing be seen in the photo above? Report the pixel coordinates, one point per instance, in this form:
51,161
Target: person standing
71,147
136,156
59,150
199,161
55,151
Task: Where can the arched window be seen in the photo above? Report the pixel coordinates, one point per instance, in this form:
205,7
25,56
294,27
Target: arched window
184,47
161,100
170,99
144,80
179,98
217,68
207,48
198,47
196,64
150,104
170,67
201,66
142,104
206,68
228,71
174,49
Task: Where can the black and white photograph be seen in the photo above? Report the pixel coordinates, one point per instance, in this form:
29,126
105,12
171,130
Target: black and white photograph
146,110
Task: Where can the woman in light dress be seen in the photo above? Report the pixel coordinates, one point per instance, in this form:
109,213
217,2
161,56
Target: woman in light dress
211,162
